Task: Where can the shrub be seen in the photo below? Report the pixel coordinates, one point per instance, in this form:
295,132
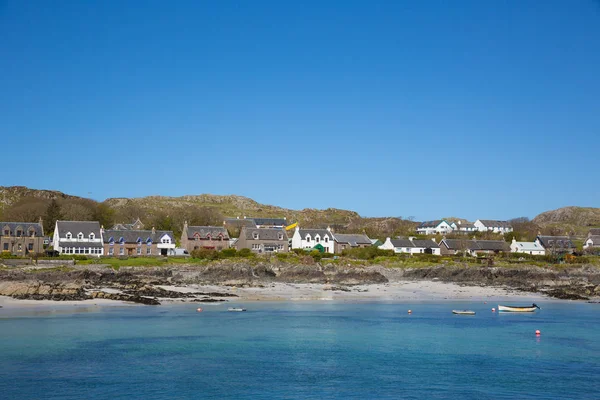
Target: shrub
245,253
282,256
205,254
316,255
228,253
367,253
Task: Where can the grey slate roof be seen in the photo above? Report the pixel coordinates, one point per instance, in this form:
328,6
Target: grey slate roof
85,227
240,222
491,223
595,240
430,224
466,226
314,232
263,233
25,226
485,245
428,244
556,242
352,239
270,221
402,243
204,231
594,232
131,236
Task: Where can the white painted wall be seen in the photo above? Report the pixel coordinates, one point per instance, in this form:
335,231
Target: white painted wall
308,242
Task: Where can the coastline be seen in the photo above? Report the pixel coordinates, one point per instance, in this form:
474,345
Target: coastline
394,292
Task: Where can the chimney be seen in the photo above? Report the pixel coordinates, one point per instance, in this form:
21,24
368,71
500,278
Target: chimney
185,226
153,230
102,229
41,221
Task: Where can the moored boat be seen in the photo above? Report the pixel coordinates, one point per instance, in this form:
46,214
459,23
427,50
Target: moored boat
463,312
236,309
531,308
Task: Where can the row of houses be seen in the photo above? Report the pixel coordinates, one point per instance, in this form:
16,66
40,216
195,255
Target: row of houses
260,235
541,246
443,227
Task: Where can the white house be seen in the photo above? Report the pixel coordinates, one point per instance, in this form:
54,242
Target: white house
309,238
592,241
411,246
465,227
78,237
434,227
533,248
489,225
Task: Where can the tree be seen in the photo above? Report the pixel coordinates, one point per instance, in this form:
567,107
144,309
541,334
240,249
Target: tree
28,209
53,213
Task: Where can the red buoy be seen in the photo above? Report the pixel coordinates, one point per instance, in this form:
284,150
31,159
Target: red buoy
199,309
538,333
410,311
493,310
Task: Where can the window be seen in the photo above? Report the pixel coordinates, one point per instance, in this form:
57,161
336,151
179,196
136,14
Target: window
19,233
255,235
148,251
111,251
280,236
92,236
317,239
121,251
5,247
32,232
139,251
6,232
69,236
79,236
30,247
20,247
326,239
308,238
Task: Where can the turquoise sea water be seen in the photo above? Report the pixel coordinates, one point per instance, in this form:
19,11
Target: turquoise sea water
301,351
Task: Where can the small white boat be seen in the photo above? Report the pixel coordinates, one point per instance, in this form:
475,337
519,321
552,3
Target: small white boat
463,312
236,309
530,308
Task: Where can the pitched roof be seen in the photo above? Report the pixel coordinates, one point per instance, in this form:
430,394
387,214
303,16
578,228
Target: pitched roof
427,244
595,240
12,226
128,226
594,232
85,227
204,231
315,232
474,245
263,233
556,242
431,224
491,223
528,246
402,243
270,221
352,239
132,236
240,222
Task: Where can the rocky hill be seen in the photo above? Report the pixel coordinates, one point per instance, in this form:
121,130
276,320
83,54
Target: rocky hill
10,195
574,219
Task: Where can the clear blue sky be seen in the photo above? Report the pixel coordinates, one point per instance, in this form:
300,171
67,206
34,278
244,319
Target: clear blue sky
477,109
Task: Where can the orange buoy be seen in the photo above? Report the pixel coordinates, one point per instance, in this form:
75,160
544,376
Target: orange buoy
410,311
493,310
199,309
538,333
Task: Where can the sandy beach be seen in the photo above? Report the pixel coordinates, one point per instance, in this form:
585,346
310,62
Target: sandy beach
409,291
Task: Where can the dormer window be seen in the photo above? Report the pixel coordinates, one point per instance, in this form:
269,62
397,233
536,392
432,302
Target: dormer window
139,241
326,239
111,241
255,235
280,236
307,238
19,233
31,232
80,236
92,236
165,240
196,236
317,239
121,241
69,235
148,242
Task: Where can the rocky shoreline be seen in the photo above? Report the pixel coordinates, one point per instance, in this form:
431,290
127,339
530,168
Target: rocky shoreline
153,285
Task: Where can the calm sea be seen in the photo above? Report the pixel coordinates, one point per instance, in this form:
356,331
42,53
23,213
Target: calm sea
301,351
